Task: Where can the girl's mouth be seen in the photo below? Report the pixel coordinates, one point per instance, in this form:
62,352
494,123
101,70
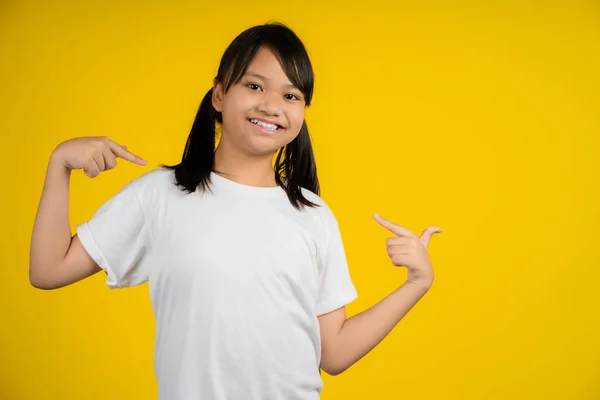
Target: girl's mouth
265,127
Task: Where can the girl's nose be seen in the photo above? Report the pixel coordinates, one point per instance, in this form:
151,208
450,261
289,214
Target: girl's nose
270,104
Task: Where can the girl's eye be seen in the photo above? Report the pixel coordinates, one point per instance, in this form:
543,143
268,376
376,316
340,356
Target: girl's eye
290,96
253,86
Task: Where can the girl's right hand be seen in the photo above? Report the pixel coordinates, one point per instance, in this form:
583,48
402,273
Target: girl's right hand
93,154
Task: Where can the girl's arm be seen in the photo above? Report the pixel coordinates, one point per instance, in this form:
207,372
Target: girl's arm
345,341
57,259
51,241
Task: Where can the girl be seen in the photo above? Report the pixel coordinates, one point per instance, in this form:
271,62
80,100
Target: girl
245,262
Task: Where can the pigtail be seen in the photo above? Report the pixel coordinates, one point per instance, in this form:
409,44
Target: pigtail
198,156
299,169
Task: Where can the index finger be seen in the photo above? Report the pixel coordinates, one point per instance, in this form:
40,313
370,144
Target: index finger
125,154
392,227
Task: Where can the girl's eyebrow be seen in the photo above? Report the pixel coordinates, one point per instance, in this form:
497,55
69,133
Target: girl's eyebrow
264,78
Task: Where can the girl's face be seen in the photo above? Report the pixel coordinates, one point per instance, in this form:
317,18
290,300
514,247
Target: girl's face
263,111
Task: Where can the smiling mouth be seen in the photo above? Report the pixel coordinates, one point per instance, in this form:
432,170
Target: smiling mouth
266,126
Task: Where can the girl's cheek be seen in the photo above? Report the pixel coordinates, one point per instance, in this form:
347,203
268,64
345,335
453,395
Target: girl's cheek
298,115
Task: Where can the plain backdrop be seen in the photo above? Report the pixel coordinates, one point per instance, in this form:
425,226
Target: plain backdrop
481,118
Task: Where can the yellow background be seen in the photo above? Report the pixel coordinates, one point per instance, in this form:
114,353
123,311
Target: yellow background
481,118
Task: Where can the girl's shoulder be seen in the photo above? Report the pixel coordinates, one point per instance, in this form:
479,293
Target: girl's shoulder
322,210
315,198
155,184
155,178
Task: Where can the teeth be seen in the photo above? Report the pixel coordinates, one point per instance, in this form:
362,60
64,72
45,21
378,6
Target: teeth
264,125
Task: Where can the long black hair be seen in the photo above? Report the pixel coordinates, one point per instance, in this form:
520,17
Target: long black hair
295,161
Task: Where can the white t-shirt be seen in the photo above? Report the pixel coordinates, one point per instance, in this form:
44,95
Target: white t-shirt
237,278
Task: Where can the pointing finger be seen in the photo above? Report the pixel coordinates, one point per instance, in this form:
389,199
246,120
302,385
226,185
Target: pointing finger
121,151
392,227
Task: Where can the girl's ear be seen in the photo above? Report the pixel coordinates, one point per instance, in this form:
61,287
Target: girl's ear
217,96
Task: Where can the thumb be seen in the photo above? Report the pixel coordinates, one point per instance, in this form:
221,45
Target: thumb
427,234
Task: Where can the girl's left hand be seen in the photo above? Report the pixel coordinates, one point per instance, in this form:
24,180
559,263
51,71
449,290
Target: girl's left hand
406,249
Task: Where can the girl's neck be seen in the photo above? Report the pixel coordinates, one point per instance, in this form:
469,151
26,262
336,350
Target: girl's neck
243,169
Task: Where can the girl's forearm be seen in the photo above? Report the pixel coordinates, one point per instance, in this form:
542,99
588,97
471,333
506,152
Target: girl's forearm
360,333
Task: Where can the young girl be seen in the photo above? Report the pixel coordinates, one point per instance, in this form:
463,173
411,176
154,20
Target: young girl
245,262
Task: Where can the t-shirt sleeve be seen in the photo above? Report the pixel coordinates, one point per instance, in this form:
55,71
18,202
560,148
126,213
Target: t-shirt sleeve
335,288
117,238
